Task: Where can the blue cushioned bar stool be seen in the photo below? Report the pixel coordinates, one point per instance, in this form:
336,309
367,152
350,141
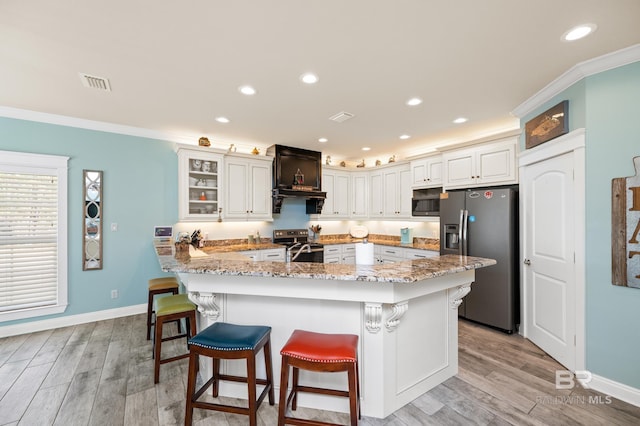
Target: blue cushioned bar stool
229,341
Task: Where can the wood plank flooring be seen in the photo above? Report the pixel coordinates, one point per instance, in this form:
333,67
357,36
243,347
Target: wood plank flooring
101,373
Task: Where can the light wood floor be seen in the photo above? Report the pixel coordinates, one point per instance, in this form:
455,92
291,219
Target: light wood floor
102,374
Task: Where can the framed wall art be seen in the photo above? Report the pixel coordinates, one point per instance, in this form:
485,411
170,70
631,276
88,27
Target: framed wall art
549,125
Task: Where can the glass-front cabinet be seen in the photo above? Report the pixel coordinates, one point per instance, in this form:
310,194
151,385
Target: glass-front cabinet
200,183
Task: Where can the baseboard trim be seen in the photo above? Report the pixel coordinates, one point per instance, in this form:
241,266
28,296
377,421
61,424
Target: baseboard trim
66,321
617,390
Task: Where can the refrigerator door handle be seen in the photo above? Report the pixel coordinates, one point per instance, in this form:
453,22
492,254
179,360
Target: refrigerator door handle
460,233
465,233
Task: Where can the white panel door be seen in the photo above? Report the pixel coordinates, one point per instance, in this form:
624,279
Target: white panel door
549,270
260,190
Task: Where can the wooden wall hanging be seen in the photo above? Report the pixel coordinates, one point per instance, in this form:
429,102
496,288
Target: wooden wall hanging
625,229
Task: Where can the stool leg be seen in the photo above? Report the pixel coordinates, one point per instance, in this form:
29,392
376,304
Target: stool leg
156,351
269,369
191,387
353,395
149,313
216,381
284,383
251,383
179,322
294,389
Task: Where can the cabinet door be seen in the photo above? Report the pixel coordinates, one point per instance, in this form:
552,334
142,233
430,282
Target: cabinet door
328,184
341,191
237,187
360,198
497,164
377,198
434,166
390,185
404,193
260,191
459,168
199,184
419,173
273,255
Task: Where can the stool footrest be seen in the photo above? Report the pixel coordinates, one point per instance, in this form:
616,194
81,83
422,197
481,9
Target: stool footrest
311,389
174,358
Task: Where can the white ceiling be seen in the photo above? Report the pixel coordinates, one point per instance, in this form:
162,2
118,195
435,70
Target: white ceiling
175,66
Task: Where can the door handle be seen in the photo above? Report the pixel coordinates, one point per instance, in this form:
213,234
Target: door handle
527,262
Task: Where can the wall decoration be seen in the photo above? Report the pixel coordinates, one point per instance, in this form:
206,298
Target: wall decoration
92,220
549,125
625,229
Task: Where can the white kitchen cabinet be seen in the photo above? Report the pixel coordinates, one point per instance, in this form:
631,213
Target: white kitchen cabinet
410,253
272,255
332,253
348,254
388,254
200,183
487,164
359,195
376,193
397,192
248,189
337,185
390,191
427,172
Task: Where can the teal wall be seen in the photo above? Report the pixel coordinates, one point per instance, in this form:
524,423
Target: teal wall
613,139
607,105
140,191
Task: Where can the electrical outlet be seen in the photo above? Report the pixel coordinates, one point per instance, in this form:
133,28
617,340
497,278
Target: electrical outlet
114,294
114,227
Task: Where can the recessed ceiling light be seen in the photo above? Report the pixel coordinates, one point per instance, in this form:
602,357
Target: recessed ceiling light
323,140
366,148
247,90
460,120
405,137
309,78
579,32
224,120
414,101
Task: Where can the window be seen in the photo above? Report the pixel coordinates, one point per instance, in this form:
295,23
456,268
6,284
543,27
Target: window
33,235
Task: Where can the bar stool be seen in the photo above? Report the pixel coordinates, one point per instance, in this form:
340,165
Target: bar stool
168,309
159,286
229,341
320,353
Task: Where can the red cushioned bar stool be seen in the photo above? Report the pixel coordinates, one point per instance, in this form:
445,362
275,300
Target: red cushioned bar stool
229,341
318,352
163,285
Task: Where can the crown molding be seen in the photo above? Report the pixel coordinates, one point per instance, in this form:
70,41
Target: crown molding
576,73
100,126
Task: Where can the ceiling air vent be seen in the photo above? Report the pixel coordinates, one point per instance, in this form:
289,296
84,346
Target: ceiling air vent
94,82
341,116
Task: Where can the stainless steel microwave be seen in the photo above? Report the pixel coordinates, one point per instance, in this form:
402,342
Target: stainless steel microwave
426,202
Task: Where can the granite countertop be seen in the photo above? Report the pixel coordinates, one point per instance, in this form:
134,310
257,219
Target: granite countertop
432,244
408,271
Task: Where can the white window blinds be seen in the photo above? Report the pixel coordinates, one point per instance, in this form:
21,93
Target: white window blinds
32,239
28,241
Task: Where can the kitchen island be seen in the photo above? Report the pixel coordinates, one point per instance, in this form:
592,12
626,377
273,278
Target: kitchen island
404,313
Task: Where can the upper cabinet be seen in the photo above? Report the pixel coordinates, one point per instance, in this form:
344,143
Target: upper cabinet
391,192
487,164
248,189
427,172
199,183
359,195
337,185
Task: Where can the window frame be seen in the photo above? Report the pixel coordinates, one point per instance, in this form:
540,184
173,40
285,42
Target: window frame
20,162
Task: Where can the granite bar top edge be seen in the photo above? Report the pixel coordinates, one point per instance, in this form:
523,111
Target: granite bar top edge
407,271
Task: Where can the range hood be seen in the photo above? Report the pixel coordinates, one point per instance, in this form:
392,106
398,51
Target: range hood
297,173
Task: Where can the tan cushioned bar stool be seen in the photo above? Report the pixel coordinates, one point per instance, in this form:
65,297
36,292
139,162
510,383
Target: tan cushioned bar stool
158,286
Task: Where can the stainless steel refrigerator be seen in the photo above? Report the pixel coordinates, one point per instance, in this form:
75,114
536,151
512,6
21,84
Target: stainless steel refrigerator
484,223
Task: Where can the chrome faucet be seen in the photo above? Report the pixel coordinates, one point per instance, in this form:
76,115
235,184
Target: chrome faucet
289,250
306,247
